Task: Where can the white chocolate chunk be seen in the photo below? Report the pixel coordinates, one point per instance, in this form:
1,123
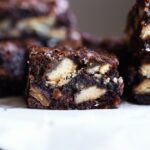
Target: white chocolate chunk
115,80
102,69
62,74
58,33
89,94
93,70
38,24
143,87
147,49
145,33
106,81
118,80
145,70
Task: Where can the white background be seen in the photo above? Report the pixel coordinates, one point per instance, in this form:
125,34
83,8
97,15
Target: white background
126,128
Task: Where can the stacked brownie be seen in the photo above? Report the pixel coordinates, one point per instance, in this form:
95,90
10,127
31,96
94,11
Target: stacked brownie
138,30
44,21
47,20
68,78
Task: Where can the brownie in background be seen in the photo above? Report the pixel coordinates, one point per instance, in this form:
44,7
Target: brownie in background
49,21
13,66
138,74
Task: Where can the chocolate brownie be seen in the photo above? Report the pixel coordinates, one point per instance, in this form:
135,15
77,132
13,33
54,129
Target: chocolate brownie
73,41
13,66
138,88
138,79
46,20
138,26
61,78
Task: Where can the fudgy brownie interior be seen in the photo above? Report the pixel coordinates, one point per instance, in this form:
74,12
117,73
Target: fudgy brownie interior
67,79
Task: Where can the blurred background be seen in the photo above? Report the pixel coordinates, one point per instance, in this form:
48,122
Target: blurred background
102,17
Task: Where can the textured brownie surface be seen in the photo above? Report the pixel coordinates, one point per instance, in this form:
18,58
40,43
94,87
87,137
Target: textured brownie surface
62,78
115,45
45,20
10,54
138,79
73,41
138,26
13,66
28,8
140,91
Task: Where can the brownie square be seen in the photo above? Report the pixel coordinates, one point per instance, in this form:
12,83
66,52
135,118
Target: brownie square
45,20
13,68
138,79
61,78
138,27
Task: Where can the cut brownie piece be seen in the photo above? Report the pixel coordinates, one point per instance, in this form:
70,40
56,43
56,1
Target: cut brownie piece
116,45
47,20
138,26
61,78
138,30
13,67
138,79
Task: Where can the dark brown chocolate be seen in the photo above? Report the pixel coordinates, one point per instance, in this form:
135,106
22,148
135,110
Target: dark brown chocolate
137,76
138,79
45,20
13,66
138,26
61,78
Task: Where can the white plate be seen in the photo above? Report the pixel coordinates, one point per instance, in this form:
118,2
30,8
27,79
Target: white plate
126,128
